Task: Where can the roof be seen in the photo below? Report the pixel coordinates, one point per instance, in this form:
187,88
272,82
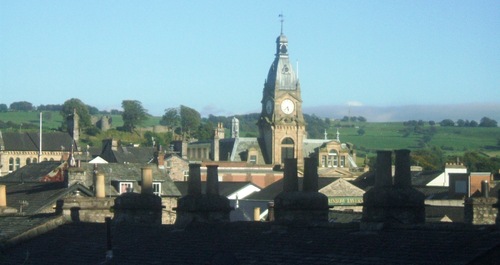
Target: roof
226,188
128,154
271,191
28,141
424,177
259,243
34,172
35,197
132,172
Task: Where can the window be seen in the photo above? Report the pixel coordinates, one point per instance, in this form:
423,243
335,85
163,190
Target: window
28,161
157,188
333,158
18,163
342,161
287,149
169,163
253,159
186,175
35,160
126,187
11,164
323,161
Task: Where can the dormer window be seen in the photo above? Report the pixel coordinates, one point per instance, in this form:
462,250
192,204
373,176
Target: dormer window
126,187
157,188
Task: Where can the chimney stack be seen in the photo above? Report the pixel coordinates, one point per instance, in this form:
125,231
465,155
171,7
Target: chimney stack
402,178
147,180
3,196
212,180
290,178
194,181
310,174
100,191
383,169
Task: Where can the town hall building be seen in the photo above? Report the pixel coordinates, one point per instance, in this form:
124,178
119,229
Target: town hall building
282,129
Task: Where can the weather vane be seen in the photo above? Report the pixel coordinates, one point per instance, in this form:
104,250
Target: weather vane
281,20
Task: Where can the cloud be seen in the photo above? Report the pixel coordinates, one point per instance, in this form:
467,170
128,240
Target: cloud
354,103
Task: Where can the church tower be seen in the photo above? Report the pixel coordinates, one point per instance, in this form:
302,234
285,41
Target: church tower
281,123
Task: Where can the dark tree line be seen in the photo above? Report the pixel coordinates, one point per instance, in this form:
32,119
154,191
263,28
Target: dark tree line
484,122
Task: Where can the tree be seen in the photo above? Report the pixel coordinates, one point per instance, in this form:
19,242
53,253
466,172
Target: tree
93,110
473,123
21,106
432,123
447,123
3,108
460,123
71,105
361,119
133,114
361,131
171,118
190,120
487,122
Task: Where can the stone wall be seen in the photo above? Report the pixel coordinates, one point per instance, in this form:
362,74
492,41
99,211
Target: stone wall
87,209
480,211
95,210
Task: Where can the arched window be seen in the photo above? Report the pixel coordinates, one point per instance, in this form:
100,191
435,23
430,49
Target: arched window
287,149
18,163
28,161
333,158
11,164
35,160
52,159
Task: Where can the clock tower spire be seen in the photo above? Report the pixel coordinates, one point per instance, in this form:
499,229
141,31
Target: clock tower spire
281,123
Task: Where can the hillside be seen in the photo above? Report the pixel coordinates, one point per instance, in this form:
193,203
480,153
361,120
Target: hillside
376,135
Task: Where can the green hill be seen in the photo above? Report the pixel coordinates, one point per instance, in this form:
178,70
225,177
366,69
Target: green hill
374,135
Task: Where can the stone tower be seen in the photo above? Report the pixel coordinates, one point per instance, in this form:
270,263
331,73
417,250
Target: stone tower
281,124
73,125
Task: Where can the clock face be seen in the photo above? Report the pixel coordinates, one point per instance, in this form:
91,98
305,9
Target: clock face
287,106
269,107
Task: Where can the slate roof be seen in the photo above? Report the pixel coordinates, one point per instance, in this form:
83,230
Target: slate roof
129,154
226,188
424,177
271,191
40,196
33,172
28,141
259,243
433,192
132,172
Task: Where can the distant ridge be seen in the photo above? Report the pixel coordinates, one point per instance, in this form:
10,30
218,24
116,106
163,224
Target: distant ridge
473,111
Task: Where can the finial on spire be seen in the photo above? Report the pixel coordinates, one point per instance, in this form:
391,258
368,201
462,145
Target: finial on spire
281,20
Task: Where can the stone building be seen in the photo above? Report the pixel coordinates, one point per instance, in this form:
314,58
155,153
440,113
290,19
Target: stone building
19,149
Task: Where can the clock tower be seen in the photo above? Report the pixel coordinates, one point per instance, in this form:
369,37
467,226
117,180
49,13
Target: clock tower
281,124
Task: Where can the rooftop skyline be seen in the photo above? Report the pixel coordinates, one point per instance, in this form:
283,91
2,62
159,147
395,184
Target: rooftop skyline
356,58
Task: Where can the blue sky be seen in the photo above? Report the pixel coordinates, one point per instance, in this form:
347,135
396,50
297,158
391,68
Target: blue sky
214,56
